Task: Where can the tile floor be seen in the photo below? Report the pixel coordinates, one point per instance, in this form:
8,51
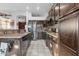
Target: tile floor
38,48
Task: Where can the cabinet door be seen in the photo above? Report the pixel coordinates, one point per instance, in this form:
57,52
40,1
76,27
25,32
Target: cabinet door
51,12
76,5
57,11
64,51
66,7
67,31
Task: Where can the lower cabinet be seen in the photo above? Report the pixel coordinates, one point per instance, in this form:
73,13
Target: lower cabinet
66,51
47,40
51,48
69,34
52,45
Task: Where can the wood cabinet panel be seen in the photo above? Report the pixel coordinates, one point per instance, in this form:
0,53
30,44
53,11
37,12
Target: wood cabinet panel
76,5
64,51
65,8
51,12
57,11
67,29
21,25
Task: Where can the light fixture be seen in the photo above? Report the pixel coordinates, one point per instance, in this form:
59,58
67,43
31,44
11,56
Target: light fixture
27,7
57,8
38,8
16,46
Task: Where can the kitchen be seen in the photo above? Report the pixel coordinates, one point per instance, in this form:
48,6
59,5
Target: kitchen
25,27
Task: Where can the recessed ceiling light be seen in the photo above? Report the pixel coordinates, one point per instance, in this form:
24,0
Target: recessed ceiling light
62,7
38,8
57,8
16,46
27,7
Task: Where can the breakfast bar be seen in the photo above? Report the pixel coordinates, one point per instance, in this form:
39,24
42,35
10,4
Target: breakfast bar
18,43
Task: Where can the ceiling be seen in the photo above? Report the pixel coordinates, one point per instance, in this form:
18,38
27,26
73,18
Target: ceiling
37,9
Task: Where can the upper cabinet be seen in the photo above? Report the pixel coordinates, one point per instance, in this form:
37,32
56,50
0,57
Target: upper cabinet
6,24
67,29
66,8
57,11
77,6
51,12
61,9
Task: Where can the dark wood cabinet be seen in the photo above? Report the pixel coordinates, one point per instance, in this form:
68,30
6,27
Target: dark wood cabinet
76,5
68,31
66,8
21,25
57,11
51,12
65,51
52,44
67,15
45,23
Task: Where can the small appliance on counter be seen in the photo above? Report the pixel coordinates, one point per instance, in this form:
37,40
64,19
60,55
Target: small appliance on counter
21,24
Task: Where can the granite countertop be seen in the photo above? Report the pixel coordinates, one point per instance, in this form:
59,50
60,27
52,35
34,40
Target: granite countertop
7,29
14,35
53,34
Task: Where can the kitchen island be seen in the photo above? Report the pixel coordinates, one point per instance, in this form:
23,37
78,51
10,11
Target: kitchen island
18,43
